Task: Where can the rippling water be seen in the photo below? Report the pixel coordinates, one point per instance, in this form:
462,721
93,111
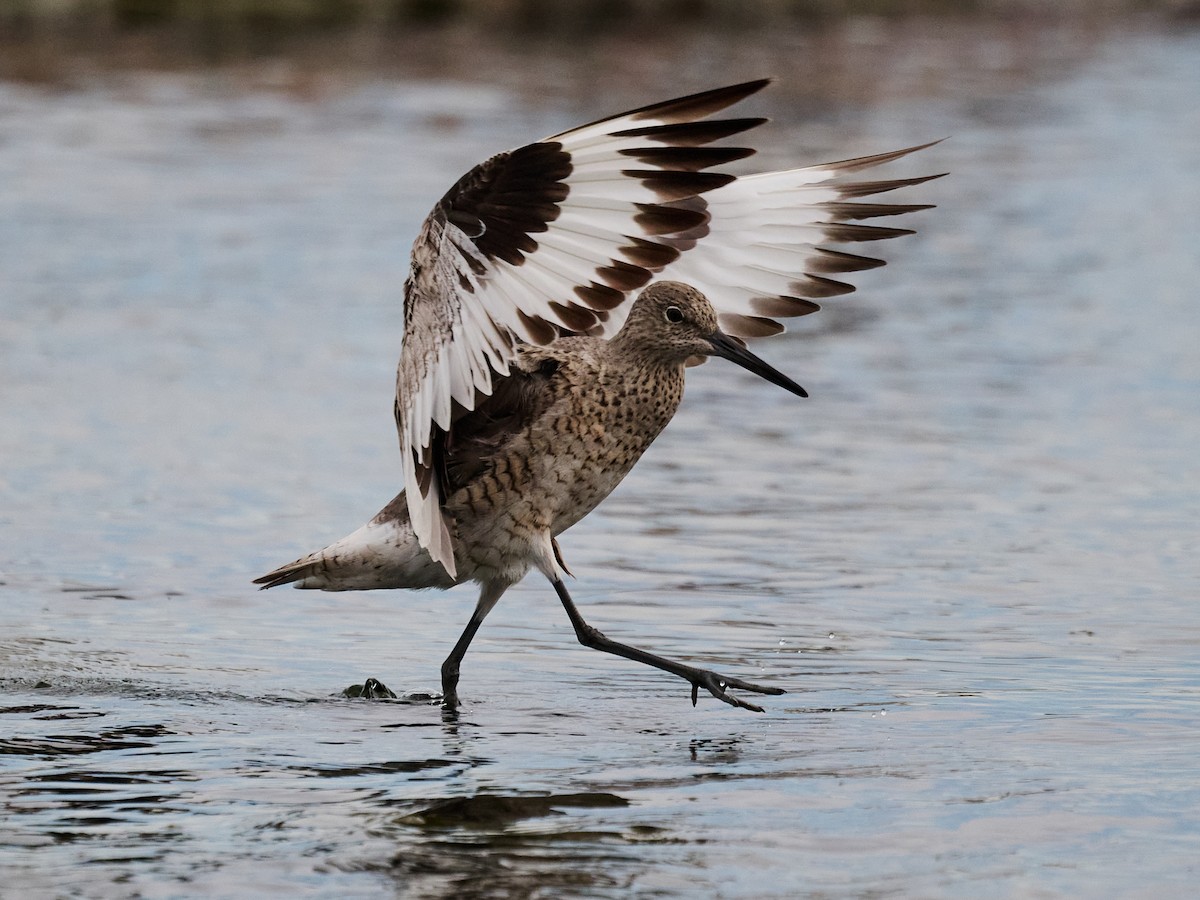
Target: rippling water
971,558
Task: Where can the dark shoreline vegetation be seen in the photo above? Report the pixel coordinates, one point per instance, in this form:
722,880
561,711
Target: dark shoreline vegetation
523,13
66,17
55,42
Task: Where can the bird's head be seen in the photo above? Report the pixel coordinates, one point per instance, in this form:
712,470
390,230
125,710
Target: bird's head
671,322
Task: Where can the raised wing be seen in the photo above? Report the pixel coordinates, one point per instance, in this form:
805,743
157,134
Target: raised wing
554,237
762,253
543,240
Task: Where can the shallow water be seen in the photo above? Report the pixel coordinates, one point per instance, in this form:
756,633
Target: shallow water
971,558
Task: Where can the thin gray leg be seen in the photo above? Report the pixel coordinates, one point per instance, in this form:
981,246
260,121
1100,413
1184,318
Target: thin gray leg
487,599
699,678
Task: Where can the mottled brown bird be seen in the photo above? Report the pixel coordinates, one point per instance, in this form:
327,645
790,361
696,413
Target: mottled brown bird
530,382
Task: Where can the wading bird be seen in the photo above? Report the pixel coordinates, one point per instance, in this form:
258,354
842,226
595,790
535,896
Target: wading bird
531,379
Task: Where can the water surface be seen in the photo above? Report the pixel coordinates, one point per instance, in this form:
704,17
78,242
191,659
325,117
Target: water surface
971,558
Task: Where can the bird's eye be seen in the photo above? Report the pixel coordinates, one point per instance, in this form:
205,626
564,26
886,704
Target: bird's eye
674,315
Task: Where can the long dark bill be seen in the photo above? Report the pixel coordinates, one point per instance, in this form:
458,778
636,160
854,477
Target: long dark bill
727,348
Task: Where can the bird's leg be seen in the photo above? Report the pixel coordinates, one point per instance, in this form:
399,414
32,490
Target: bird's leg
699,678
450,666
487,599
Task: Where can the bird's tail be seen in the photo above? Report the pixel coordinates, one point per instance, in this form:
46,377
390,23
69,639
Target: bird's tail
384,553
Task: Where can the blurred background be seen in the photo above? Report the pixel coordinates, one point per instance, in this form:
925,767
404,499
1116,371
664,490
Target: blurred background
971,557
58,40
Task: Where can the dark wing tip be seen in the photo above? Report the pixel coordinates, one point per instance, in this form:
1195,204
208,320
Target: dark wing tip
684,109
835,262
686,158
693,134
742,326
674,184
843,210
783,306
878,159
867,188
844,231
697,106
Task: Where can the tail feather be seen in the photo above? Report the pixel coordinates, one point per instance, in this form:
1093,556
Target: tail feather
384,553
299,570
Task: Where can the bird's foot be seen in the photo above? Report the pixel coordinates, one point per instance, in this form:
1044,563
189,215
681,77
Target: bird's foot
717,684
450,691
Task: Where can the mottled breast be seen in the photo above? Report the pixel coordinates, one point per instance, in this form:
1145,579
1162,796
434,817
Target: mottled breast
582,418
